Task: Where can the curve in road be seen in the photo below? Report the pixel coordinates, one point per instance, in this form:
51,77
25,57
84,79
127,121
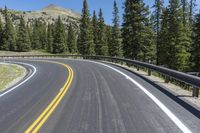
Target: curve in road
99,100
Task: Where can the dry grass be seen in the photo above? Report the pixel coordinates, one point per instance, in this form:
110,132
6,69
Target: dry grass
10,74
10,53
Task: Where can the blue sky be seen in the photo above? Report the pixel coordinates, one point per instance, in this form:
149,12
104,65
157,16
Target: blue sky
106,5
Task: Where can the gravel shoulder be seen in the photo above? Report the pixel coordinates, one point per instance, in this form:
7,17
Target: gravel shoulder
10,74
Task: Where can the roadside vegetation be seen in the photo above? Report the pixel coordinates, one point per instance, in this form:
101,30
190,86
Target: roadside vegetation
10,75
32,52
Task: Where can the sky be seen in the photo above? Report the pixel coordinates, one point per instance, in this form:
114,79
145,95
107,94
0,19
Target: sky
106,5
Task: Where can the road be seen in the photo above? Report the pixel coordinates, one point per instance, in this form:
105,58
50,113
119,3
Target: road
74,96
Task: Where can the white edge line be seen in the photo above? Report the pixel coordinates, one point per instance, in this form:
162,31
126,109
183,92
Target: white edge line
13,88
167,111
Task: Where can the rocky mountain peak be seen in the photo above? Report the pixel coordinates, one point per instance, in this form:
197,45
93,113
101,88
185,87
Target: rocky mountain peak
60,10
52,7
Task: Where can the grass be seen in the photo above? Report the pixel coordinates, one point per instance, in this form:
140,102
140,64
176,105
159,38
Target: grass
38,52
33,52
9,74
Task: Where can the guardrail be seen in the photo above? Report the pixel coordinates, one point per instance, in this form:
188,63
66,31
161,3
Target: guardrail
194,81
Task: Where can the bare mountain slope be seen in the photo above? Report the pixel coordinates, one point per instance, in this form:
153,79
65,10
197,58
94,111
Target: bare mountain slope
48,14
53,9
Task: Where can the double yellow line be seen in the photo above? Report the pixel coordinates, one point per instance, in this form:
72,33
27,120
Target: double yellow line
39,122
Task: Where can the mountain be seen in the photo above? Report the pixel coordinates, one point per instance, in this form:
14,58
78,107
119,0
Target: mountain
55,10
48,14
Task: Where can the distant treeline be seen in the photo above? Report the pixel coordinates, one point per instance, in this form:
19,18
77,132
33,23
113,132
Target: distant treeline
169,36
54,38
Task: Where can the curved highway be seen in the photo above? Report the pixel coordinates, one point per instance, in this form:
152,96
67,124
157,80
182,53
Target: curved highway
74,96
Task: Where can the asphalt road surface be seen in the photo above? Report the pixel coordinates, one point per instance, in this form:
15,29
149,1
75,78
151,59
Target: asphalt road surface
74,96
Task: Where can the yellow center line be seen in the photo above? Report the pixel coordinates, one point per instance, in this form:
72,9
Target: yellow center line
38,123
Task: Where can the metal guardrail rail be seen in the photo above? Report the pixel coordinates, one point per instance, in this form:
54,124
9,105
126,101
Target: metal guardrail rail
194,81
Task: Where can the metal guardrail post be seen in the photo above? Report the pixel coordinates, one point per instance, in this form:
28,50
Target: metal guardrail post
149,72
167,79
195,92
138,68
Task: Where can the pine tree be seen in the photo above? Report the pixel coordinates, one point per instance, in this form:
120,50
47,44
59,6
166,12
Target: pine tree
9,36
95,29
23,40
127,31
163,47
49,46
108,34
71,40
196,44
158,6
43,35
179,40
185,12
85,39
101,47
1,34
183,49
115,47
59,43
39,35
35,36
191,11
135,17
148,47
29,31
